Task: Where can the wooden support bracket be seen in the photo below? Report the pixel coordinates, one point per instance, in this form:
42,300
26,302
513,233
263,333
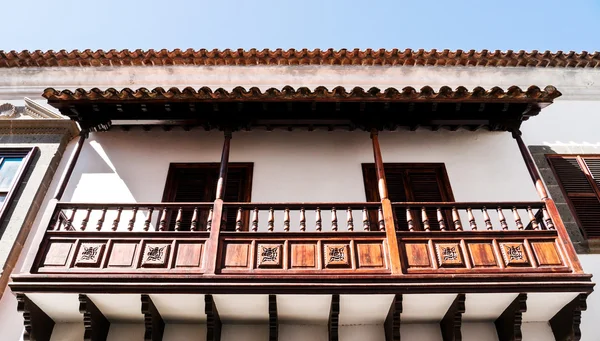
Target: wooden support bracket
273,322
153,322
508,325
392,321
334,318
96,325
38,325
565,324
452,321
213,321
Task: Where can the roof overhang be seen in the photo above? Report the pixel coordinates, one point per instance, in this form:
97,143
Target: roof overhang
358,108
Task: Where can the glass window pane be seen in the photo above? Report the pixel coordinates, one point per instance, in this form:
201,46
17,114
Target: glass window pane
2,198
8,171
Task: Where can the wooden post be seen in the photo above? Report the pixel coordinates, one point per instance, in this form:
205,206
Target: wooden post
550,205
64,180
386,205
212,245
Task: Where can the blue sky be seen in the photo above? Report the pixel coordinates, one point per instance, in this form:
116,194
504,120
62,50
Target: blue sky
453,24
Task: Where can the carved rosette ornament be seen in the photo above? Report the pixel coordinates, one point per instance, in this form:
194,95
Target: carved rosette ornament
449,255
90,254
514,254
337,255
155,255
269,255
7,111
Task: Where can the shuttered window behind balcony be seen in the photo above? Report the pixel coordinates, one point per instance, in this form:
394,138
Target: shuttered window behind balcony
579,178
412,182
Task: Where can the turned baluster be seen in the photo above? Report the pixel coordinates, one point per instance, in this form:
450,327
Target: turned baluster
132,220
334,222
101,220
456,219
547,221
440,218
425,220
380,220
148,219
238,220
271,221
178,219
194,222
255,220
532,219
471,217
286,219
517,218
350,220
69,225
302,220
366,222
487,220
409,220
115,223
209,220
85,220
163,220
318,219
502,218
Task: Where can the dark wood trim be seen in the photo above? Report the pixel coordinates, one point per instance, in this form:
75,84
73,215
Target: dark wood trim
392,321
64,180
213,321
533,172
154,326
38,325
565,324
334,318
508,325
95,323
452,321
273,321
223,166
28,155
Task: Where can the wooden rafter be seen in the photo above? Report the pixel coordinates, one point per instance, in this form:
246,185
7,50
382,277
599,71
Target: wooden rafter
508,325
95,323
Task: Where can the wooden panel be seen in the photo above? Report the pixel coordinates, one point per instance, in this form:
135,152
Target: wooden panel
303,255
237,255
482,254
370,255
417,255
90,254
189,255
58,254
155,255
122,254
269,256
514,254
337,255
545,253
449,255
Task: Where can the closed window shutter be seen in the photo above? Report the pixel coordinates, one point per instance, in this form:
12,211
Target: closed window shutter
580,179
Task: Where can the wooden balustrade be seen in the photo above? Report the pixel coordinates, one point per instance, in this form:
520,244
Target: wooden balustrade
449,216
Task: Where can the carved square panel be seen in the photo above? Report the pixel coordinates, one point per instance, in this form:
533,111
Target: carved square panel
269,256
58,254
370,255
337,255
122,254
417,255
482,255
514,254
449,255
303,255
155,255
237,255
90,254
189,255
546,253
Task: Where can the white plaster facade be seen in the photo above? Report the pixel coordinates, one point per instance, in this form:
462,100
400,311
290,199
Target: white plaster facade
119,166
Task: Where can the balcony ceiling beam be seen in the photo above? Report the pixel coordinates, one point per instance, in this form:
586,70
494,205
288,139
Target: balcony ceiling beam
38,325
565,324
508,325
452,321
95,323
213,321
392,321
153,322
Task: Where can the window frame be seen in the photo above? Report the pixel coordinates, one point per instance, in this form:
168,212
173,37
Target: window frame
27,154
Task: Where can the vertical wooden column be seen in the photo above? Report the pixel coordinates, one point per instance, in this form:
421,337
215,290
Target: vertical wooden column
212,245
64,180
386,205
550,205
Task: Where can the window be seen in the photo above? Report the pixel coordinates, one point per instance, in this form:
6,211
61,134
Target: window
13,163
579,179
411,182
197,182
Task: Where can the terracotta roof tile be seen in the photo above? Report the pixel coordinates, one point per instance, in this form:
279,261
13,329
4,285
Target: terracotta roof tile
445,93
392,57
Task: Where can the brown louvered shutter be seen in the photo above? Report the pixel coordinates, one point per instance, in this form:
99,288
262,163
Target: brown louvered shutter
411,182
198,183
579,178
